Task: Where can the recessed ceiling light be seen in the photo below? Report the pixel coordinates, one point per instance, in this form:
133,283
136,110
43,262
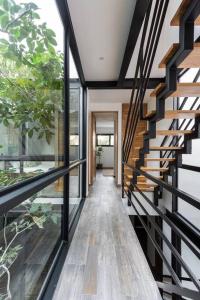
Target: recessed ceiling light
101,58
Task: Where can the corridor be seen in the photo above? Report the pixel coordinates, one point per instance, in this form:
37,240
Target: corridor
105,260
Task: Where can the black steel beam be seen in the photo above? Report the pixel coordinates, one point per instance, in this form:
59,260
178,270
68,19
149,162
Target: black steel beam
126,84
67,23
136,24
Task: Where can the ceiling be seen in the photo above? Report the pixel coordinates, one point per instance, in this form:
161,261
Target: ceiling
101,28
110,96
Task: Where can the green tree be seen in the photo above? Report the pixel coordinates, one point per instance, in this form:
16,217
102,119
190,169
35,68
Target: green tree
31,73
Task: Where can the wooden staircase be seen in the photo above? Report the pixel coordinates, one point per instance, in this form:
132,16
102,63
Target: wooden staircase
176,57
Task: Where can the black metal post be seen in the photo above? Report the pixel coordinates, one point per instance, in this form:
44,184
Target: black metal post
84,144
65,212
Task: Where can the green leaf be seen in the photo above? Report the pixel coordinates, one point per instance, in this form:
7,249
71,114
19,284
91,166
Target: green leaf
5,122
32,6
4,20
52,40
2,12
3,41
6,5
35,16
30,133
15,8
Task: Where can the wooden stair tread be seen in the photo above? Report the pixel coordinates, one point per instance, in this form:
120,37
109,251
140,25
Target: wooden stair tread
158,148
145,189
173,132
150,114
182,114
192,60
155,159
146,184
184,89
140,177
157,89
165,148
142,132
152,169
168,55
180,12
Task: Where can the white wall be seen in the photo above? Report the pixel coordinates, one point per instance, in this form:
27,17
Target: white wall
107,157
111,100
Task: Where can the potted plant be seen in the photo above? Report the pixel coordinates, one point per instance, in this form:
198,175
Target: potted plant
99,152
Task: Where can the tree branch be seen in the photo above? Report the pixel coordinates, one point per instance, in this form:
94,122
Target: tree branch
9,296
19,17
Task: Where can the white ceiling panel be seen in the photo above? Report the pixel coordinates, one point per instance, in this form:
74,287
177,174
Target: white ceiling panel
101,28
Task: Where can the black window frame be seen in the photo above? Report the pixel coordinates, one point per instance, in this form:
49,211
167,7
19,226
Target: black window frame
13,195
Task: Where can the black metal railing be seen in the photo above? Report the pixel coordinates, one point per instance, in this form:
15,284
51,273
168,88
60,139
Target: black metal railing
185,124
177,288
152,27
149,40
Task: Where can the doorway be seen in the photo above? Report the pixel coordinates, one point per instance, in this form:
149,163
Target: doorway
103,145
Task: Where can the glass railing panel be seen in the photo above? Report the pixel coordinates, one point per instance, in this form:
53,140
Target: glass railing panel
30,235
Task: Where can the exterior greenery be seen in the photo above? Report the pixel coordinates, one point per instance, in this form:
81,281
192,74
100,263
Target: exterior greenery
31,93
31,70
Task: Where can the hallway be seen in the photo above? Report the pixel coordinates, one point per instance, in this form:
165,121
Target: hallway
105,260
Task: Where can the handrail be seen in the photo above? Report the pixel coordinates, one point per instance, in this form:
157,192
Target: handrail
144,66
179,193
178,288
44,157
17,193
181,291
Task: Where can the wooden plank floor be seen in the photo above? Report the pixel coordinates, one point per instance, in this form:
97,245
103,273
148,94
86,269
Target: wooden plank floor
105,260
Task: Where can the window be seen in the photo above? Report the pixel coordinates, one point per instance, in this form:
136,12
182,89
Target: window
106,140
74,140
31,89
32,131
32,232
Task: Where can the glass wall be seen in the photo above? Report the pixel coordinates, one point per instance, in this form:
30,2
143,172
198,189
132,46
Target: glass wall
32,135
29,238
31,89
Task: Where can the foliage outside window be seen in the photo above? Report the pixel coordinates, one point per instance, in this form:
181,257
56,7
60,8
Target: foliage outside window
31,88
105,140
31,113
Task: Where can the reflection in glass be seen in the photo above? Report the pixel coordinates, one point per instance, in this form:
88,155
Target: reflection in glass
29,238
31,88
